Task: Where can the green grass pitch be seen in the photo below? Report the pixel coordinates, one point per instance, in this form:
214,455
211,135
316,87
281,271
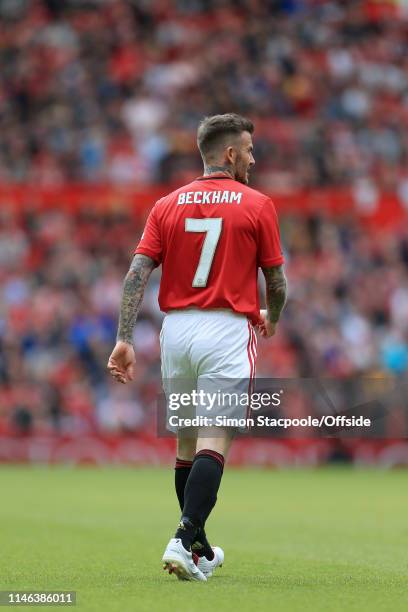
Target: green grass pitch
328,539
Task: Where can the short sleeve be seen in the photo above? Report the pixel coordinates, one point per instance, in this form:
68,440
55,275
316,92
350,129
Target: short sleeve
150,243
269,250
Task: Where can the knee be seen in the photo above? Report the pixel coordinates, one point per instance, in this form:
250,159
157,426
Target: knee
218,441
186,448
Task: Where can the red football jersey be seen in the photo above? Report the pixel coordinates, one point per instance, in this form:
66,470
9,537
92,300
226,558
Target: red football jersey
210,237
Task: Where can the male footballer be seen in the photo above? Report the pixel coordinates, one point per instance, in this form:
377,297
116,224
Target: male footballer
210,237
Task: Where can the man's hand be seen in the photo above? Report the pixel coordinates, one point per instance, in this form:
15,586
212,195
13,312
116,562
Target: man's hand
122,362
266,328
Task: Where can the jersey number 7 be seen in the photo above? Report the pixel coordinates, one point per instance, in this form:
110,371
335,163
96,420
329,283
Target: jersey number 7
212,229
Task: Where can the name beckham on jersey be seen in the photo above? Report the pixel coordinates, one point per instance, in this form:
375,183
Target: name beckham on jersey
209,197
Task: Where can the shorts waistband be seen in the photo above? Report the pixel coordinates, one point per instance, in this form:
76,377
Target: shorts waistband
204,311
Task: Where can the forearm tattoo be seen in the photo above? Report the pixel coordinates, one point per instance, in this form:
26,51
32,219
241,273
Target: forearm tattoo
133,290
276,290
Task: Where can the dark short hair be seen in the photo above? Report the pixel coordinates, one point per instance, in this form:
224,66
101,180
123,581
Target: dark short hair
213,130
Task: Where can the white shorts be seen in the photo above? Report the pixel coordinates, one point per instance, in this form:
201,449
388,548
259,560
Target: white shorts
208,351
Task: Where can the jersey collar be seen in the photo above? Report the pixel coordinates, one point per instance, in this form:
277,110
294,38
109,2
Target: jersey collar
214,176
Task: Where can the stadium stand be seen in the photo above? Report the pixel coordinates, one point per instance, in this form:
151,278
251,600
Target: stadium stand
100,93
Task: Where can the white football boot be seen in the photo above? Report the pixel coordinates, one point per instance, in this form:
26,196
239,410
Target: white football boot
178,560
207,567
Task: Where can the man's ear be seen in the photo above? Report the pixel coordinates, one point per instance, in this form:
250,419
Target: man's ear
230,155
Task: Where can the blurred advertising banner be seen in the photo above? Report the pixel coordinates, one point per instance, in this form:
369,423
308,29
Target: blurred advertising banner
361,202
137,450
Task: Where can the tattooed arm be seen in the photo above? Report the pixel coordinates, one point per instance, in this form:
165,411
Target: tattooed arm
276,290
133,290
122,360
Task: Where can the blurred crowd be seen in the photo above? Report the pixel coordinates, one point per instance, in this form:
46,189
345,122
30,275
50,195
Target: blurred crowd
60,285
111,91
95,90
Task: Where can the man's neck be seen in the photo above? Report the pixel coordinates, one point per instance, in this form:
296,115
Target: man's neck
208,170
